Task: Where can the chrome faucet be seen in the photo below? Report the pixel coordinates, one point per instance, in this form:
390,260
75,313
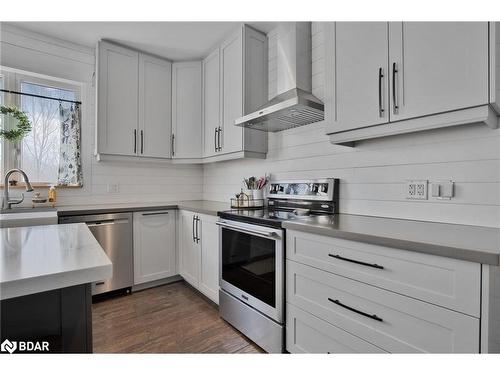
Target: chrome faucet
7,202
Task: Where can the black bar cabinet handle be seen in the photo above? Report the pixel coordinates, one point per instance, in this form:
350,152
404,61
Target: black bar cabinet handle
173,144
374,265
197,221
142,141
135,141
371,316
380,76
218,139
395,106
215,139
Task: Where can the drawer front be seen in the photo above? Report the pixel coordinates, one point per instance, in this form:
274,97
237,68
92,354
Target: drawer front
306,333
452,283
388,320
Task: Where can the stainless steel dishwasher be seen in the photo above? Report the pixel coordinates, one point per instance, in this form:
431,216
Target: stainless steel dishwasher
114,234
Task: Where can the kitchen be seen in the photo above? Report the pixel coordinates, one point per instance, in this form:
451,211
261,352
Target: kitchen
229,194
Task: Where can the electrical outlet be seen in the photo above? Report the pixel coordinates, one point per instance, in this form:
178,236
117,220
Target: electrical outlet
113,188
416,189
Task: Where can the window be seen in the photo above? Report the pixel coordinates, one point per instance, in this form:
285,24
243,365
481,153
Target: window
38,154
40,148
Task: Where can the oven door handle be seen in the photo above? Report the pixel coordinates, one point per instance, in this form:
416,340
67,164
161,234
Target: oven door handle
269,234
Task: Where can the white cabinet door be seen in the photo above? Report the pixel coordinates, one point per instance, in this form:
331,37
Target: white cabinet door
186,110
209,261
440,67
155,103
231,56
154,245
117,105
189,248
356,75
211,102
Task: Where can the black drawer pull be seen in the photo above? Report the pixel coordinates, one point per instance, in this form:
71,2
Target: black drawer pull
374,317
373,265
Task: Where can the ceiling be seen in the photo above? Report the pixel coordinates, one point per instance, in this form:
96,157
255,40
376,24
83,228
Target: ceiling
172,40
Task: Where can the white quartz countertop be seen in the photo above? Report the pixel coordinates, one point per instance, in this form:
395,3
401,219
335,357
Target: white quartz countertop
40,258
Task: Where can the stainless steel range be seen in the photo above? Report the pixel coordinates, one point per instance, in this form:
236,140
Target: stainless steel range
252,257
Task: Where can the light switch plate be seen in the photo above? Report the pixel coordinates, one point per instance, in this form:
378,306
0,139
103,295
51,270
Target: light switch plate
113,188
445,189
416,189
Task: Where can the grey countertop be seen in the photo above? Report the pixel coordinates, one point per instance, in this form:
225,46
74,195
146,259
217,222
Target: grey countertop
471,243
48,257
202,207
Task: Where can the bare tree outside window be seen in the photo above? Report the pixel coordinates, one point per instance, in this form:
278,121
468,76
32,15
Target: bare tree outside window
40,148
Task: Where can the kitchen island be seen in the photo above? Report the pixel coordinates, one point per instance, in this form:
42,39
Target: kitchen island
45,292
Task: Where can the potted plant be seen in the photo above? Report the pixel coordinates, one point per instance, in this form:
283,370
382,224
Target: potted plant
18,126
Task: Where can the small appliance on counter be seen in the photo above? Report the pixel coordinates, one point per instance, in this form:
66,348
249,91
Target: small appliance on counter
252,257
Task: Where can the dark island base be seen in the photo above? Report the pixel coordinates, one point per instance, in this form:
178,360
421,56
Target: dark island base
61,317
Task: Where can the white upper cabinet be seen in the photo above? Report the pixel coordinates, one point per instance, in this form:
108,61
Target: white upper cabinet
134,94
437,67
234,84
211,103
154,245
232,93
186,110
399,77
118,80
155,103
359,95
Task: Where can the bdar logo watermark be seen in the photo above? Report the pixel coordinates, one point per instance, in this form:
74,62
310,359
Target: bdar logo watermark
24,346
8,346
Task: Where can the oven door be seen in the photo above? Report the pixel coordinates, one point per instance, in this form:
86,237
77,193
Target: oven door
252,265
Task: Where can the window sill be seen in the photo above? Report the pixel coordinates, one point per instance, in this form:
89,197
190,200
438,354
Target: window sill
41,185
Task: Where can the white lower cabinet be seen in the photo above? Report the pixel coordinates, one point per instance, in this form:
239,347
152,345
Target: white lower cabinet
306,333
380,301
199,252
209,257
154,245
393,322
189,249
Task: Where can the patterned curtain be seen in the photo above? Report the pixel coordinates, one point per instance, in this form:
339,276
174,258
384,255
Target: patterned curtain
70,166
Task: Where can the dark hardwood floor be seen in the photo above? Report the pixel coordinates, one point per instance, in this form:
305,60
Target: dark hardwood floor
172,318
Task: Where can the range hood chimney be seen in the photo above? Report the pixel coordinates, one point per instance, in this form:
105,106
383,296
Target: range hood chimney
294,105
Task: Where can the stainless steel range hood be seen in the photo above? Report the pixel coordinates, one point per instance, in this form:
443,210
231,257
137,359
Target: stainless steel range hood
294,105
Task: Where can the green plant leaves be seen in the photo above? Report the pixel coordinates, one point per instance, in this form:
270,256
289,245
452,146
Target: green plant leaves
23,127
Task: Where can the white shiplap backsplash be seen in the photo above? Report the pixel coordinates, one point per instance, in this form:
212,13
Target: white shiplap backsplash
373,174
137,181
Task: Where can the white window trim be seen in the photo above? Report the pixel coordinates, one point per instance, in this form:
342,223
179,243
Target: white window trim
12,79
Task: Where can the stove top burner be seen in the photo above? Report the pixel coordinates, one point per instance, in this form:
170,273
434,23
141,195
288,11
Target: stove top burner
267,217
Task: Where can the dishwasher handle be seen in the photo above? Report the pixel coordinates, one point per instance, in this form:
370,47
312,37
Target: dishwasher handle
106,222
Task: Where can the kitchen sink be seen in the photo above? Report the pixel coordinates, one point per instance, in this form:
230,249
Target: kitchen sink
17,210
25,217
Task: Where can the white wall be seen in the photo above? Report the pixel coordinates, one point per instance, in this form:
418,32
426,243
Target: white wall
373,174
138,181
